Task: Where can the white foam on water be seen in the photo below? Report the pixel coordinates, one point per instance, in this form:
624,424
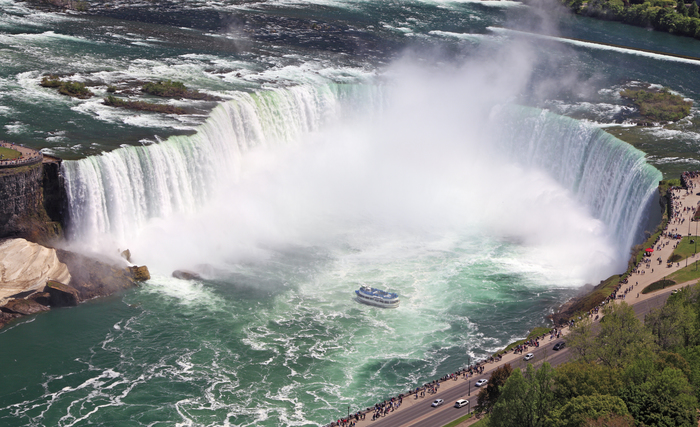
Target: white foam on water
597,46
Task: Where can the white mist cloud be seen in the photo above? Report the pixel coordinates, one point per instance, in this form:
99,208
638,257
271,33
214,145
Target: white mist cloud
424,168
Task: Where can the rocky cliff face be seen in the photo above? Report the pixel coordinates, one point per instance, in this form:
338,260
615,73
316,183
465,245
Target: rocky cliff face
32,202
34,278
20,197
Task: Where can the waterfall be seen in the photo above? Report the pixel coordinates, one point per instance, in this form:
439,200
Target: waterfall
606,175
117,192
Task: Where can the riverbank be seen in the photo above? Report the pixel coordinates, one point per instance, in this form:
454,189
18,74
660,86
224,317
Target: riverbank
683,202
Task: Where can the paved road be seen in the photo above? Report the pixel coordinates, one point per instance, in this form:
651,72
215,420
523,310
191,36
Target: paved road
422,414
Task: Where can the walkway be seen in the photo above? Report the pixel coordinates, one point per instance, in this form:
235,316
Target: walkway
680,222
28,156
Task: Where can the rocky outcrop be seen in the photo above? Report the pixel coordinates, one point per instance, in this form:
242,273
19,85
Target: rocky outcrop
61,295
140,274
186,275
93,278
34,278
24,307
27,266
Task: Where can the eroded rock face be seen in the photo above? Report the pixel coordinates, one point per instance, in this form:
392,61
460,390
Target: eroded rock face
27,266
62,295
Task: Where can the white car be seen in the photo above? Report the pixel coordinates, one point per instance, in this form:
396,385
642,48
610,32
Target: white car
461,402
481,382
528,356
437,402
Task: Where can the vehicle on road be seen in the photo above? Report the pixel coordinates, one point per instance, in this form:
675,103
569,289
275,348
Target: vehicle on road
437,402
528,356
461,402
481,382
558,346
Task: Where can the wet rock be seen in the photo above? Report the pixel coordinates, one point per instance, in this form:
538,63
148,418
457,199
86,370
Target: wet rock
43,298
62,295
24,307
126,255
7,317
140,274
186,275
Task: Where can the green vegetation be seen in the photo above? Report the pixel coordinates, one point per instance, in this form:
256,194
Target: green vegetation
9,154
113,101
661,284
661,15
50,81
536,332
659,105
628,374
459,421
685,248
171,89
484,422
686,274
75,89
69,88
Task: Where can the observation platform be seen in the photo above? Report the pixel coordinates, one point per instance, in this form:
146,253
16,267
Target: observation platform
28,156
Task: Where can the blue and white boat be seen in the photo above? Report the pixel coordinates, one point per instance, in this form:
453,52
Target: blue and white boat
377,297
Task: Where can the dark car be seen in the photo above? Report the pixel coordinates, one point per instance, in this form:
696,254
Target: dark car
558,346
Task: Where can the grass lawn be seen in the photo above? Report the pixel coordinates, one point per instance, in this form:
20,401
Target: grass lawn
691,272
686,249
537,332
9,154
459,421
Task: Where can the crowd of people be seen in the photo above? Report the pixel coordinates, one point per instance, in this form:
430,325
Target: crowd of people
676,214
27,155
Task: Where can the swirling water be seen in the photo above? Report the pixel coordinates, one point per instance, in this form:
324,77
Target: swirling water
287,196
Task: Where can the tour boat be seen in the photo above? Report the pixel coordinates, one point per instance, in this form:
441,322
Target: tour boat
377,297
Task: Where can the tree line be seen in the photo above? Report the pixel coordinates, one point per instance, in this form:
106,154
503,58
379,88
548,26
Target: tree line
625,373
663,15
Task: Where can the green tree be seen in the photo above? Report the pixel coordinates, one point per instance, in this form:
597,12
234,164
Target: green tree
512,407
489,395
673,325
622,337
581,340
611,421
526,400
692,356
664,400
579,411
681,9
693,10
585,379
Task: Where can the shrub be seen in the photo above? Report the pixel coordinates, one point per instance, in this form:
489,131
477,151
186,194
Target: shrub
51,80
75,89
171,89
113,101
658,105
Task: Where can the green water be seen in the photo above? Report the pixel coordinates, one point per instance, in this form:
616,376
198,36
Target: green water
274,337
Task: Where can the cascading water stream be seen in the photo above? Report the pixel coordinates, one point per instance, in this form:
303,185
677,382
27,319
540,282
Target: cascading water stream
115,194
608,176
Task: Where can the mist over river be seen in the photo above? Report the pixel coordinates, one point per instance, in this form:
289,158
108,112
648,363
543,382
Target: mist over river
432,148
